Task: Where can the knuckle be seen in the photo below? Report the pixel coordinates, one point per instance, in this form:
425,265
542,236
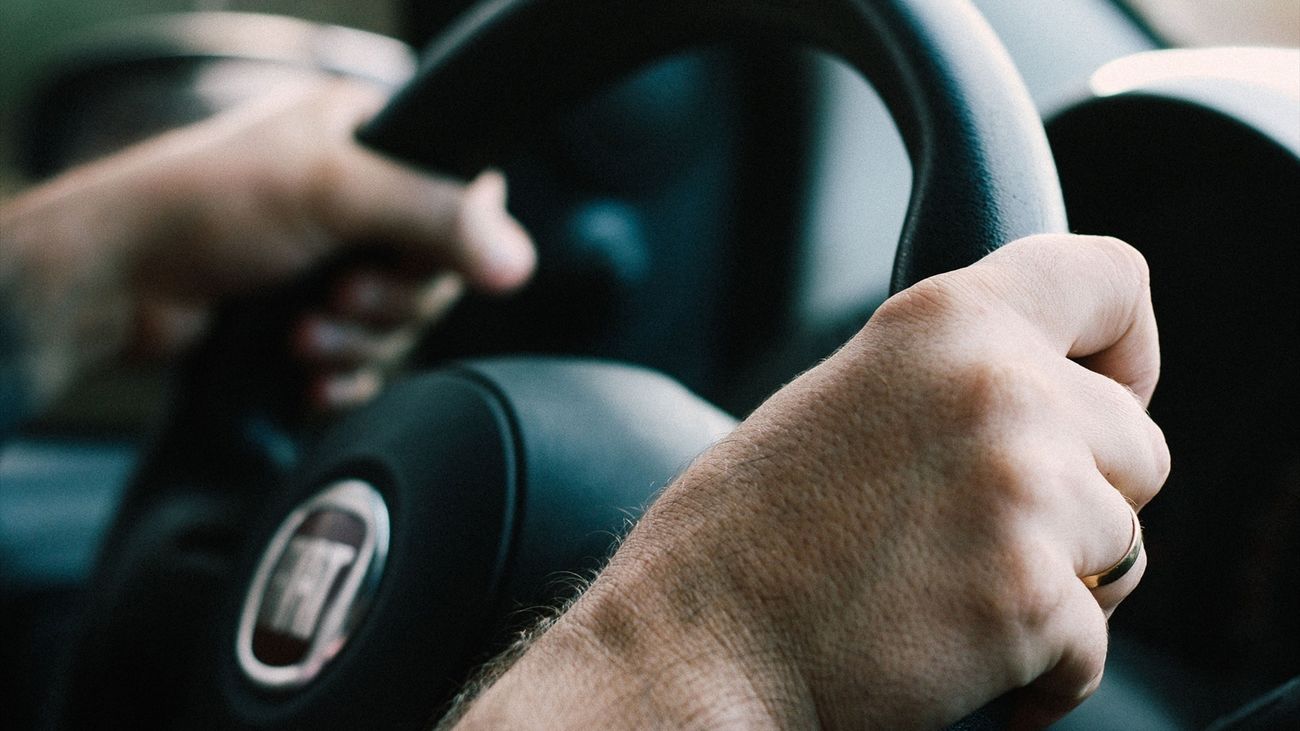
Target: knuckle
939,299
923,301
1123,257
1161,459
1146,462
1090,687
1030,598
1014,477
998,426
999,392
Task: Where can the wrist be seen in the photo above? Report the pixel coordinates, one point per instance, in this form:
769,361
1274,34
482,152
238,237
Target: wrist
661,639
604,664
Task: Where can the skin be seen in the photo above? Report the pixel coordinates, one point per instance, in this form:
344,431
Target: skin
895,538
245,201
891,541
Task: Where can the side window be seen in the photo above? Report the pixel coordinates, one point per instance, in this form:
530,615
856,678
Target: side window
1223,22
34,34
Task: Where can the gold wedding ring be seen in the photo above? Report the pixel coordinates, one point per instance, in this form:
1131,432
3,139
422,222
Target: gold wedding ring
1122,566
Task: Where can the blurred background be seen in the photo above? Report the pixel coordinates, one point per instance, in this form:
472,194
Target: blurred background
35,33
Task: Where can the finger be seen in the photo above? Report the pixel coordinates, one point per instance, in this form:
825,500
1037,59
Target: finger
1089,296
339,391
382,300
335,344
1078,628
1109,569
1105,533
498,249
1110,596
1128,447
463,228
438,296
375,298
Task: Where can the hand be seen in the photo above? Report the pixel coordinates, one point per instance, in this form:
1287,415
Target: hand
895,538
133,251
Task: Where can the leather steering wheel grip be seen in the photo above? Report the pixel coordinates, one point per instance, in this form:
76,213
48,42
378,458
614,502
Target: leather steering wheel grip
983,174
982,171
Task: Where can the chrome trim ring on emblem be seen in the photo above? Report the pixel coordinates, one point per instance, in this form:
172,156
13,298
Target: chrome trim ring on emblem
313,585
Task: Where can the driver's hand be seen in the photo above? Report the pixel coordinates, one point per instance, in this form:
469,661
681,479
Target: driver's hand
134,250
895,538
286,185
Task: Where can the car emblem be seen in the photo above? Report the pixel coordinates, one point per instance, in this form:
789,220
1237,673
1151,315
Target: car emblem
312,586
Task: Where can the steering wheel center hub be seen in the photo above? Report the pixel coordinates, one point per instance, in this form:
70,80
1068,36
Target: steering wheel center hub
313,583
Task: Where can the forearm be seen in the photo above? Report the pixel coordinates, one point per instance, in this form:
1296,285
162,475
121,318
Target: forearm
666,637
65,264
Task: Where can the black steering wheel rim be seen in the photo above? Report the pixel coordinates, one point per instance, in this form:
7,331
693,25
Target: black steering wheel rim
982,171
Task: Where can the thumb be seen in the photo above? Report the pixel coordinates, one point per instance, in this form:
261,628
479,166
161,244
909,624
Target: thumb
495,253
374,200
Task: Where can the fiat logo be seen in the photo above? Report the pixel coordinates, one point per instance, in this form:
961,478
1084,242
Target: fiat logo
312,586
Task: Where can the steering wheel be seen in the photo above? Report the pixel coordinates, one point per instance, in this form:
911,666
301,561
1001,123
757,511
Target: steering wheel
384,565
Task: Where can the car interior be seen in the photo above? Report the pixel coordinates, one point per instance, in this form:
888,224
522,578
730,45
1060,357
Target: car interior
718,199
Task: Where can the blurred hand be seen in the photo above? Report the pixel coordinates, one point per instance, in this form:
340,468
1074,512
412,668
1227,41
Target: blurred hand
134,250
